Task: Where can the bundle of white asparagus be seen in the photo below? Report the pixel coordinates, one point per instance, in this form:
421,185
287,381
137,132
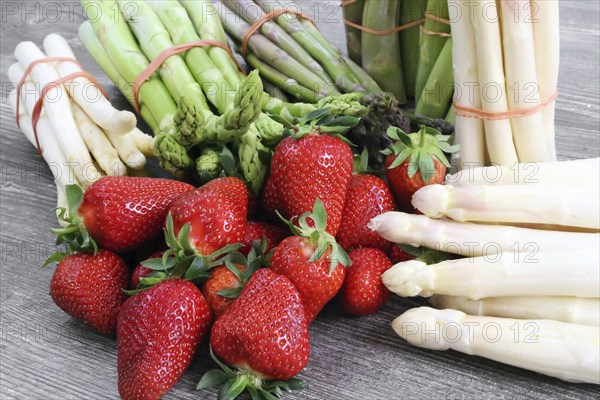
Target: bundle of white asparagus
522,296
82,136
505,58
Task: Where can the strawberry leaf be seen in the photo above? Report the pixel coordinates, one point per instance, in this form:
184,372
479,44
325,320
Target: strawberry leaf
74,197
212,378
54,258
230,293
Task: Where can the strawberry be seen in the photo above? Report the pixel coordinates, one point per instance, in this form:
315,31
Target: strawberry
312,260
306,166
367,197
119,213
158,333
264,336
415,160
216,214
90,288
256,230
363,293
227,281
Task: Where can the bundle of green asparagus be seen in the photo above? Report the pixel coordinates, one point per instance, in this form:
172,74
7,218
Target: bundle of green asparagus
289,51
406,47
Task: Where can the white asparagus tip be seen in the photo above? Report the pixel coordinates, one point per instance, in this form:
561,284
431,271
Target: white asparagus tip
136,160
432,200
409,278
411,325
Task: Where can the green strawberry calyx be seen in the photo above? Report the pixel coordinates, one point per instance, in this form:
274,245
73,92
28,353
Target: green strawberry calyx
419,149
73,233
311,225
236,381
252,263
323,121
181,260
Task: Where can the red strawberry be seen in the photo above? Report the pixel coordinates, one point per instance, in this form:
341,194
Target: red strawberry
415,160
227,281
312,260
397,254
216,214
302,170
120,213
264,334
256,230
90,288
363,293
368,196
158,332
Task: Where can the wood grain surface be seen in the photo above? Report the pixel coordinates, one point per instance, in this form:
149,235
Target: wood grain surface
44,354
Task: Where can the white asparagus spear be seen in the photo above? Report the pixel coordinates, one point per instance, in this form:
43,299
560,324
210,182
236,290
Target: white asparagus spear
89,98
492,86
576,310
537,204
473,240
127,150
533,273
58,110
546,37
144,143
521,80
52,154
570,352
468,131
576,172
61,168
100,147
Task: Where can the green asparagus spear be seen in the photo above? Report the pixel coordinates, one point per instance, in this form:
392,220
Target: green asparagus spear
203,14
266,50
436,96
276,77
212,80
381,56
410,11
251,12
353,12
431,45
172,156
208,164
197,126
333,63
251,153
274,91
346,104
93,46
451,116
115,38
368,82
153,39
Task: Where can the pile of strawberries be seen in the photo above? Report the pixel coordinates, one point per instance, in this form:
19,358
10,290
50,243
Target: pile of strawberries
217,270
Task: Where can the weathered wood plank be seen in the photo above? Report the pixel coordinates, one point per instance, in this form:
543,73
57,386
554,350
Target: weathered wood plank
44,354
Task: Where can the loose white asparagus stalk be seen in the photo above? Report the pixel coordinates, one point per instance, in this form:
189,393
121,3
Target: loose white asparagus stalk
474,240
100,147
546,37
534,273
52,153
98,108
570,352
144,143
59,113
576,310
576,172
538,204
468,131
492,86
521,80
127,150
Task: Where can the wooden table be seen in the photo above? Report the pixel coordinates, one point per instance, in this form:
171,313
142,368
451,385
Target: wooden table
44,354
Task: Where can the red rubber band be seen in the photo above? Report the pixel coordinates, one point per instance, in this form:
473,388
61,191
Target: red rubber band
171,51
267,17
37,108
494,116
